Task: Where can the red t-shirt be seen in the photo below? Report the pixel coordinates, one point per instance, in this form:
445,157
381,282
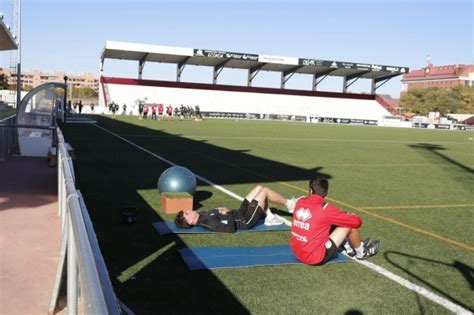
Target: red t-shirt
153,109
160,109
312,220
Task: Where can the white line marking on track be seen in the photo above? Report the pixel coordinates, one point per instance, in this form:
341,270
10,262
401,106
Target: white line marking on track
205,137
453,307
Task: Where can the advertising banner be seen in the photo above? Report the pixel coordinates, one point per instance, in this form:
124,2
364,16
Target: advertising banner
224,54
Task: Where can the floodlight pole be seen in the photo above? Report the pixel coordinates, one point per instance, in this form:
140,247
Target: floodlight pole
18,67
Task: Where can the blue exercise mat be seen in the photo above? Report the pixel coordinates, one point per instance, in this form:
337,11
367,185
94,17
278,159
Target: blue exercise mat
197,258
168,227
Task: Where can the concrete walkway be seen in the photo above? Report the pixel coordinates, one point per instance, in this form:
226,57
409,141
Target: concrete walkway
29,235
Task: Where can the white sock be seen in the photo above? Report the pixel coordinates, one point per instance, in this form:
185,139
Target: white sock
347,246
360,250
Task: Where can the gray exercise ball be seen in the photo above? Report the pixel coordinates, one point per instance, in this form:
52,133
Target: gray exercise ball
177,179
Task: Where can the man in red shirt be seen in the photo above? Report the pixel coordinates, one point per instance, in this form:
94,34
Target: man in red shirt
169,111
160,111
318,228
153,112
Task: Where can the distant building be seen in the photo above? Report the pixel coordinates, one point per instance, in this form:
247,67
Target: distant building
36,77
444,77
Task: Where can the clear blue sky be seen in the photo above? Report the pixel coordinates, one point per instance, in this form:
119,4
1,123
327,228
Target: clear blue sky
66,35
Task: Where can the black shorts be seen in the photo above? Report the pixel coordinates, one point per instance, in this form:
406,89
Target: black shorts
245,204
331,252
250,213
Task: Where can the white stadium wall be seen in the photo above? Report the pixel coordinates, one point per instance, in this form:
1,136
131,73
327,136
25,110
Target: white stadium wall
233,99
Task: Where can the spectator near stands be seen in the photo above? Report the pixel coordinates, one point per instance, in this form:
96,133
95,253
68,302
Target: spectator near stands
182,111
153,112
169,112
124,108
80,107
145,111
176,113
140,110
198,113
113,108
160,110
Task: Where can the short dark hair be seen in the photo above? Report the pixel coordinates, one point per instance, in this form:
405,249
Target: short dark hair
319,186
181,222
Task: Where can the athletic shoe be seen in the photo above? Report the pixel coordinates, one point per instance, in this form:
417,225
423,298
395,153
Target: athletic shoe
350,250
272,219
290,204
369,250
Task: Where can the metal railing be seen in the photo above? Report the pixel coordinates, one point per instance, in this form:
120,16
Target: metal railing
89,290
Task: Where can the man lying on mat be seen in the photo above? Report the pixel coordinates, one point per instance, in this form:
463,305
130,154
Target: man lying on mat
314,219
228,221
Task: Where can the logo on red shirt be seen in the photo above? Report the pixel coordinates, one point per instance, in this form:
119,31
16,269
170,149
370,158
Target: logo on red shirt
303,214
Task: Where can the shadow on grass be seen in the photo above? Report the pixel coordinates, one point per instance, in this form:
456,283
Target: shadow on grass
466,271
199,196
435,149
145,268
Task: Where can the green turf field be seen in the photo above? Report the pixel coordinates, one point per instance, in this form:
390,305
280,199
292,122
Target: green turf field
413,189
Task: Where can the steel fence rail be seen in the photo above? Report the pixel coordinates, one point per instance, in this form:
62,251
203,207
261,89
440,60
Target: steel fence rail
89,290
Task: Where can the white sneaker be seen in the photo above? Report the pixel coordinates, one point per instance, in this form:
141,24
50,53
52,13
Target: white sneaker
290,204
272,219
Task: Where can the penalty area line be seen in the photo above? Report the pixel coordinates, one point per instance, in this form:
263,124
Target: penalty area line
453,307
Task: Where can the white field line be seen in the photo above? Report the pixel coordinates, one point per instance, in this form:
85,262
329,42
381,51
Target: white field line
295,139
453,307
228,192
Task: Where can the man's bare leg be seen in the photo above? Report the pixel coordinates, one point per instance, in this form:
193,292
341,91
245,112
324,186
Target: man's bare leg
340,233
254,193
267,194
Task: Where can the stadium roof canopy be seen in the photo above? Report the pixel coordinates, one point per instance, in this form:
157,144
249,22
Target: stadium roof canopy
7,42
253,63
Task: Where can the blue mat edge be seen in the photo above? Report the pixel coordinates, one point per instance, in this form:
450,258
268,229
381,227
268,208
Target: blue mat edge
199,265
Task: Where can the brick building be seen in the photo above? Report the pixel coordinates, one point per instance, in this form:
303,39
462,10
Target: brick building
36,77
444,77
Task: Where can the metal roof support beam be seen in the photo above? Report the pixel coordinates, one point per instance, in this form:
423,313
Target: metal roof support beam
351,79
180,67
319,77
253,73
348,82
217,71
286,75
141,65
383,79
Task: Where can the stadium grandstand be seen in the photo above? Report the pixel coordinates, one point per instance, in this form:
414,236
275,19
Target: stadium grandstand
230,101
